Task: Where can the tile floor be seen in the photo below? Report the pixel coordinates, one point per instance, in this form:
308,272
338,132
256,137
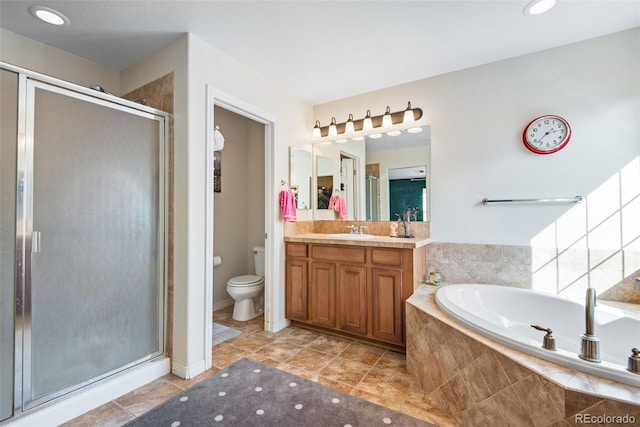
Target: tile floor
361,370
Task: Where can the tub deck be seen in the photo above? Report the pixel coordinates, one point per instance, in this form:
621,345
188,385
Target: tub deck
482,382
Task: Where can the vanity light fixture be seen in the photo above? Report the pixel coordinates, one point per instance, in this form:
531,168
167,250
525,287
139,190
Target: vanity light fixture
538,7
368,123
48,15
349,127
316,130
386,119
408,114
333,129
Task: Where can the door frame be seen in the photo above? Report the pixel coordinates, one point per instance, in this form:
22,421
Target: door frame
221,99
28,82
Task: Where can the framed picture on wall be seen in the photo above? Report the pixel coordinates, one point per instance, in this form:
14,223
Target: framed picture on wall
217,171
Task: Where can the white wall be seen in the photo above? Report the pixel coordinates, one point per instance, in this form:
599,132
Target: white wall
35,56
197,65
477,117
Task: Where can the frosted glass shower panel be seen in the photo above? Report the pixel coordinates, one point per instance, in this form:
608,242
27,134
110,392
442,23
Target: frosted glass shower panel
8,150
95,279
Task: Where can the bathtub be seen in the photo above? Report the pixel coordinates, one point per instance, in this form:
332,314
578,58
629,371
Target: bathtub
505,314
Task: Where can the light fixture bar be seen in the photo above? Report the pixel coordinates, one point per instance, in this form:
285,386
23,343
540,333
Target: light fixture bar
397,117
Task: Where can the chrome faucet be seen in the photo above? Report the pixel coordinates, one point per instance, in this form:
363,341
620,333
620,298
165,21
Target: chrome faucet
590,350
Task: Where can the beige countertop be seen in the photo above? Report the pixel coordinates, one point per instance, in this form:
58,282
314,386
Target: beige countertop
378,241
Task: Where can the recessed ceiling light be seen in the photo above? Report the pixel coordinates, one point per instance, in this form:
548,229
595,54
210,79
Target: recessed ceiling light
537,7
48,15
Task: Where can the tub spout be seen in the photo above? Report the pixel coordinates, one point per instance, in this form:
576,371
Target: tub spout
590,343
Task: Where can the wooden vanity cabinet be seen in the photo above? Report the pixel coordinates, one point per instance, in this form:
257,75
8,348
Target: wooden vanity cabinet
354,290
296,282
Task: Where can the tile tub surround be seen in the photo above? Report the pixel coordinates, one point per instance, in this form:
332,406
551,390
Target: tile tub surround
481,382
567,273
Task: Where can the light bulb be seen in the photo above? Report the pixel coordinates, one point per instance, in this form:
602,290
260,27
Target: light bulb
48,15
333,129
349,126
537,7
375,135
408,114
394,133
316,130
367,124
386,119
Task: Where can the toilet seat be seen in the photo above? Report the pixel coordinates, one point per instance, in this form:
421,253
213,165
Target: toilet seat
246,280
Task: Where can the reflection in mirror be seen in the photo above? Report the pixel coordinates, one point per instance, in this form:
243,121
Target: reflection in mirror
375,173
324,181
407,190
301,169
396,165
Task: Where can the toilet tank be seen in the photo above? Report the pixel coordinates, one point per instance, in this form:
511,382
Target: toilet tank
258,260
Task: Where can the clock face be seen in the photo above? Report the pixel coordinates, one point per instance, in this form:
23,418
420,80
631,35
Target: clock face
546,134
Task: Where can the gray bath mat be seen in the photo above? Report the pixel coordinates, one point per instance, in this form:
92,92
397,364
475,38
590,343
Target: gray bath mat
248,393
222,333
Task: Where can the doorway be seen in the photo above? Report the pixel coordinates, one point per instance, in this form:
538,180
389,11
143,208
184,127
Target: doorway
273,307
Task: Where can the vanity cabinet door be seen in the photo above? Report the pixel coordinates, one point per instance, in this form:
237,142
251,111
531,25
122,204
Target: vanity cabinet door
322,294
352,298
386,305
296,303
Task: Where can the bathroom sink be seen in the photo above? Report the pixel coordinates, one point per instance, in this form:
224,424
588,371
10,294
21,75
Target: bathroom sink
349,236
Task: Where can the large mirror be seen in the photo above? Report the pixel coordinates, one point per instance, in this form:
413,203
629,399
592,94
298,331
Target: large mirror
380,178
301,179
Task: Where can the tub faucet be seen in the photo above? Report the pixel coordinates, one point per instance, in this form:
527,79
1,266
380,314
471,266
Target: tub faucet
590,343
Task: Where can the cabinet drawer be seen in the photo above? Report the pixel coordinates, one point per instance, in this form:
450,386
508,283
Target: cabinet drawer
342,254
388,257
297,249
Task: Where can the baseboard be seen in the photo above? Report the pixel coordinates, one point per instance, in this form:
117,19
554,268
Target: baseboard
94,396
188,372
280,325
222,304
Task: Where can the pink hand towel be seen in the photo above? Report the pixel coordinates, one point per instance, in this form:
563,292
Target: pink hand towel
288,205
338,204
342,208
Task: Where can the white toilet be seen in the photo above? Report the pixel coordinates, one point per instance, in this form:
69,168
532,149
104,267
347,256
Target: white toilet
247,290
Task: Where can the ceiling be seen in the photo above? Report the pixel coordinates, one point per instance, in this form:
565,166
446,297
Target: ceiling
324,50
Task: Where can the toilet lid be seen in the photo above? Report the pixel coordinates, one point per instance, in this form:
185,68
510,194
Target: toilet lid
246,280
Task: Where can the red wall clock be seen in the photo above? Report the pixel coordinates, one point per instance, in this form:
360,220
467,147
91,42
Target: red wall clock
546,134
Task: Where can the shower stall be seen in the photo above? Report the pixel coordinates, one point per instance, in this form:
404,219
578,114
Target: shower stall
82,238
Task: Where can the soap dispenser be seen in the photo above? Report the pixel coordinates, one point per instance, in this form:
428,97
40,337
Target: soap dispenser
634,361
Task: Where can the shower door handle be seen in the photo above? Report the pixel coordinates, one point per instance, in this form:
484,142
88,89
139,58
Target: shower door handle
35,242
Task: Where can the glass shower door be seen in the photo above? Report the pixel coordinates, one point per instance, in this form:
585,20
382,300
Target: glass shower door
8,150
94,279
